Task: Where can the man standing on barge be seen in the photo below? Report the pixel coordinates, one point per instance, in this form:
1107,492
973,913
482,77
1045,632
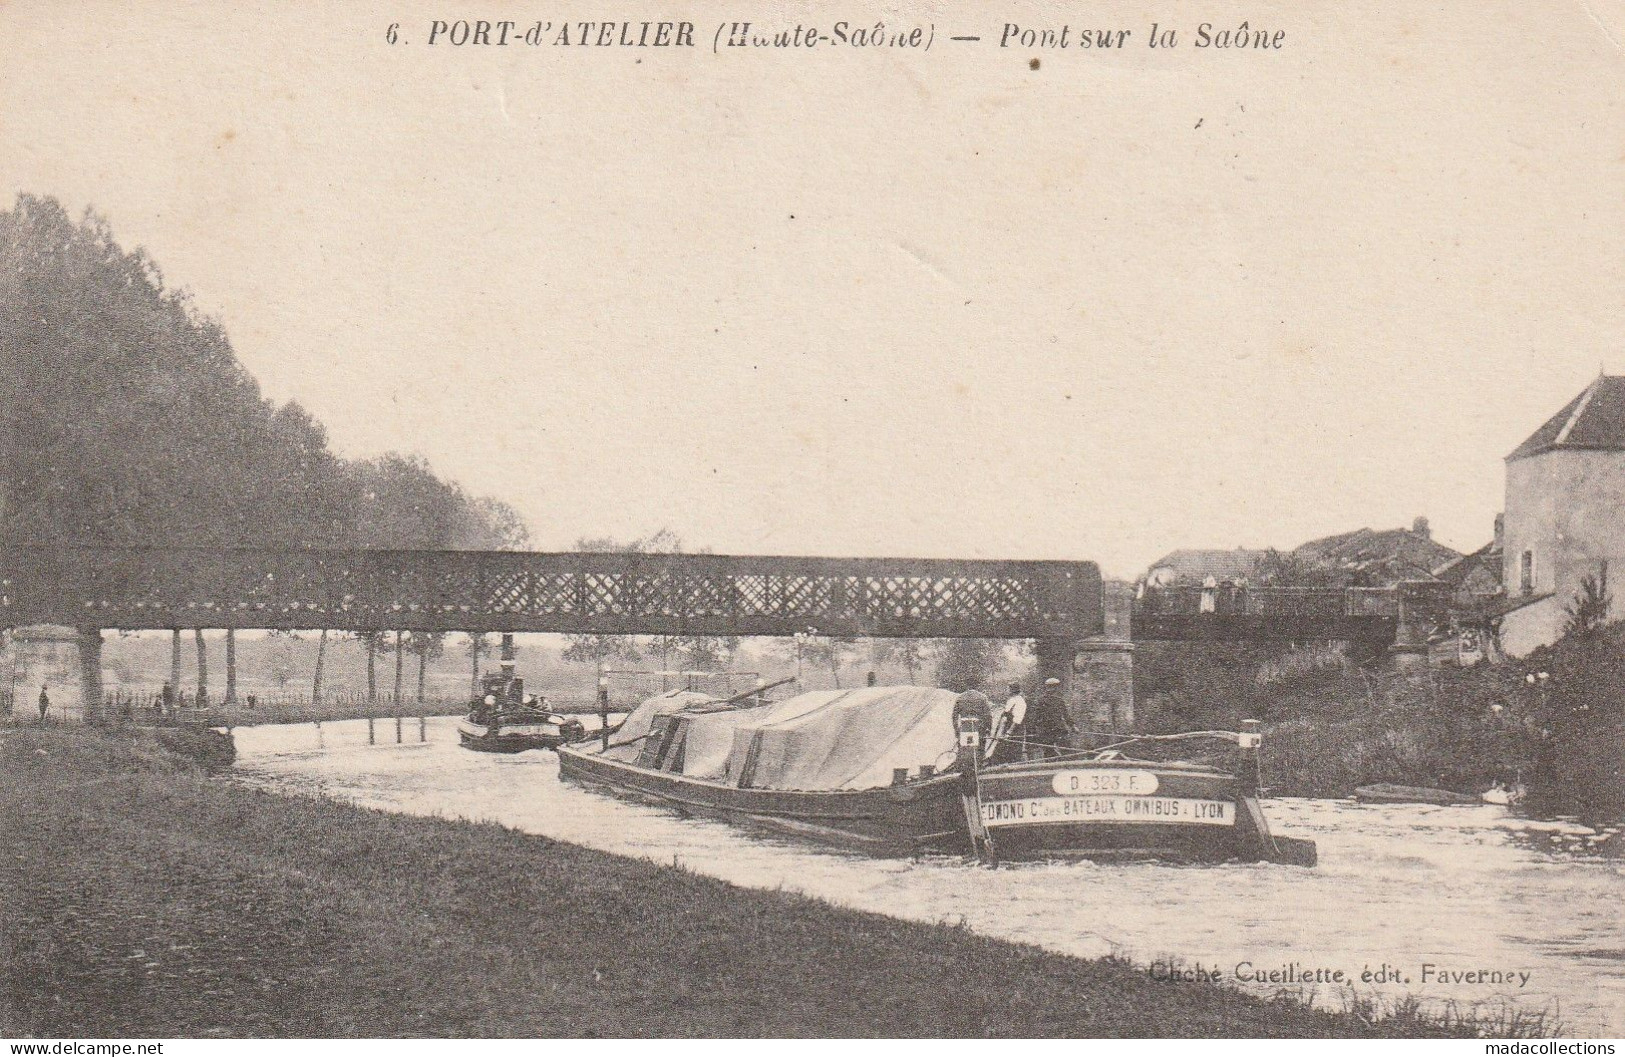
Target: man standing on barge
1048,725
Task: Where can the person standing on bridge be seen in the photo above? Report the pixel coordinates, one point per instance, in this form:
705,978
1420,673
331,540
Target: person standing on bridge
1049,725
44,703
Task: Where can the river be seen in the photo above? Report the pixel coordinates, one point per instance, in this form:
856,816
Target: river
1462,890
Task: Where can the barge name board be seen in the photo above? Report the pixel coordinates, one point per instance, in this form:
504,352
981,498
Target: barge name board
1141,809
1075,783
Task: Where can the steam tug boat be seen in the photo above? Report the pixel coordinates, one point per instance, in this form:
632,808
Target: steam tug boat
883,770
503,718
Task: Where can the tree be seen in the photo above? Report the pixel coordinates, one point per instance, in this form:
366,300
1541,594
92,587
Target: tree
477,648
425,646
370,642
125,417
603,650
828,651
321,660
202,666
910,653
280,662
1291,569
400,656
491,525
705,653
124,414
231,666
1588,611
967,664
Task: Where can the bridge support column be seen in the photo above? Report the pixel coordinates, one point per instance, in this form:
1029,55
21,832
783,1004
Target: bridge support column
66,661
1105,664
1105,686
1420,604
1097,674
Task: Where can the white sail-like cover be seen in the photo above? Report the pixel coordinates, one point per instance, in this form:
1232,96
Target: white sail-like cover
626,743
708,737
822,740
845,739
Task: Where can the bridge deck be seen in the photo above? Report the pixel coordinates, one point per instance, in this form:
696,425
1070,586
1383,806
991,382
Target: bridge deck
633,594
1237,612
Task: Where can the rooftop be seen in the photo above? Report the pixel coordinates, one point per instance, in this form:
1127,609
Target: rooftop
1195,566
1592,421
1382,554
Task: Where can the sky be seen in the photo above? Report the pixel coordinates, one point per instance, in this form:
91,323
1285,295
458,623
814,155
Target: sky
849,302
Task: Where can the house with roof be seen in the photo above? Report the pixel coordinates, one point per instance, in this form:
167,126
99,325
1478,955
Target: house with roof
1193,568
1565,513
1377,557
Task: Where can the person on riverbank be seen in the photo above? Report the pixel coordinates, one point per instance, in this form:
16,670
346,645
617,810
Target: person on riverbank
44,703
166,699
1048,725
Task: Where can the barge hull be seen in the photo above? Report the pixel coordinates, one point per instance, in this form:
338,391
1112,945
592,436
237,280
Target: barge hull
897,820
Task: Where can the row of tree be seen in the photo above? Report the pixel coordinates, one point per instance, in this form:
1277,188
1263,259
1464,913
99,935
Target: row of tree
125,417
957,661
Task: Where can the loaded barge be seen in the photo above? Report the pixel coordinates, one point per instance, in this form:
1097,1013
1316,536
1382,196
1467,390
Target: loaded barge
884,770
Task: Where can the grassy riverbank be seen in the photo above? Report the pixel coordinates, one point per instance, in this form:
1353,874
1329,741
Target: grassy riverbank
240,715
144,899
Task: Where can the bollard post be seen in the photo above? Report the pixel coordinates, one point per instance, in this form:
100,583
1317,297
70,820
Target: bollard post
397,726
603,711
969,762
423,729
371,740
1247,743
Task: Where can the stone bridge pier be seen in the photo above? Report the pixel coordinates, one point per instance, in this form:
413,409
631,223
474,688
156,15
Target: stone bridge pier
66,662
1097,673
1423,606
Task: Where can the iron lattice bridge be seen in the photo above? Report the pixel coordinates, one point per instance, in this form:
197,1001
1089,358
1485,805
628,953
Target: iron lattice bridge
1238,613
131,588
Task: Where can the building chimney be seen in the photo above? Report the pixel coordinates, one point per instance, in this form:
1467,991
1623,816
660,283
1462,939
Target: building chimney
1419,527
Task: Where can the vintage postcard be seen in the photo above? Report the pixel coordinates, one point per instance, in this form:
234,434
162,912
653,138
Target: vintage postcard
910,520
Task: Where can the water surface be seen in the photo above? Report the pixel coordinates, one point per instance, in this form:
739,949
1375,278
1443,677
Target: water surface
1462,889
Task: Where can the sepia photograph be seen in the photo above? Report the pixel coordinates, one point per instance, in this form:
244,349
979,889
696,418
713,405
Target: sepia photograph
915,521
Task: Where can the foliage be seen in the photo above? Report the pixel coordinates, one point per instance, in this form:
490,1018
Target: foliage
1581,723
125,417
280,661
694,652
910,654
1462,730
818,651
967,664
1588,611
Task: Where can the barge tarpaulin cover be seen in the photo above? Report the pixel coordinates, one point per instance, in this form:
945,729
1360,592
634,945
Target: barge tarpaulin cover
846,739
826,739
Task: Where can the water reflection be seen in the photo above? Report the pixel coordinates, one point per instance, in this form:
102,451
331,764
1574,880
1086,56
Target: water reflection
1423,890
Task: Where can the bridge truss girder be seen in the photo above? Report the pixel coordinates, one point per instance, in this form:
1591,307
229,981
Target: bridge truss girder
134,588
